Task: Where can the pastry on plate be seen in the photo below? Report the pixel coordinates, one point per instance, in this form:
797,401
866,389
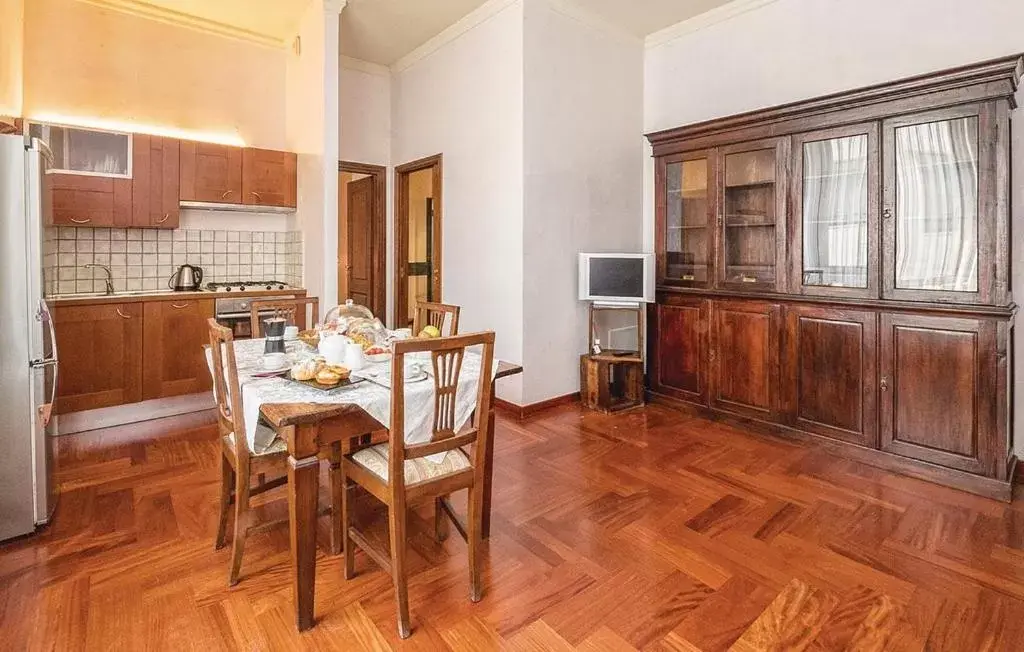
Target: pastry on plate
327,377
307,369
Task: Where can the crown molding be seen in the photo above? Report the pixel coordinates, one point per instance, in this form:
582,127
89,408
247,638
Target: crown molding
142,9
369,67
479,15
703,21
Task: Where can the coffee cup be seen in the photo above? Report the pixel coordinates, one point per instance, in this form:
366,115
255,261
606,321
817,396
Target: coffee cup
291,332
273,360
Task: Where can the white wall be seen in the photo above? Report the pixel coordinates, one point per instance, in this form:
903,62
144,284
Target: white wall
583,130
12,33
790,50
464,99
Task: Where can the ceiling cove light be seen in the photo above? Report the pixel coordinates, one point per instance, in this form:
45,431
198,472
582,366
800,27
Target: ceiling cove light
218,137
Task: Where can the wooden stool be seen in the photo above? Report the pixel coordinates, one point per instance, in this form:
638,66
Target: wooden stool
610,383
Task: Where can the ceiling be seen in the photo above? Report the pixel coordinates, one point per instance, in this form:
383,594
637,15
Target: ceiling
383,31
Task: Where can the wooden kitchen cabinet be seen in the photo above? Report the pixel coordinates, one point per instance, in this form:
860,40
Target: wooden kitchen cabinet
938,383
744,355
100,352
210,173
173,339
155,181
87,200
678,356
268,177
830,379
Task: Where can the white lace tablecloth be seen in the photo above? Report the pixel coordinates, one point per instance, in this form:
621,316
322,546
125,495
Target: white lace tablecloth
373,398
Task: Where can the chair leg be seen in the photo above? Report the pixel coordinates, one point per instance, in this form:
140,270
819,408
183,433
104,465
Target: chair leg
440,520
396,527
349,545
473,530
227,478
337,490
241,525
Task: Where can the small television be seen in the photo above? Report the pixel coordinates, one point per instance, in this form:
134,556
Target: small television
617,278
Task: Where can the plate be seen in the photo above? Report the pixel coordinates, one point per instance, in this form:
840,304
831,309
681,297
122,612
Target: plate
378,357
260,370
348,382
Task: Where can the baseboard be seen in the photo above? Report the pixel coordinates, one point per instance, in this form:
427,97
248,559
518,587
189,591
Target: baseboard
521,412
120,415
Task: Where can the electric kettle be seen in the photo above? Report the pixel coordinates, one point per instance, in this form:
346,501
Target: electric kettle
187,279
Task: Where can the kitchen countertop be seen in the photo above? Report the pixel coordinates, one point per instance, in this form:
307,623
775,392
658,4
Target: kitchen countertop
164,295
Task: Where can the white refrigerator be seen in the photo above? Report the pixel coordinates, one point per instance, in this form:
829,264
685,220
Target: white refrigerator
28,354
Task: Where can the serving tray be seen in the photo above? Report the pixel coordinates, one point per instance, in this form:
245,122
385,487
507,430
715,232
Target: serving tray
348,382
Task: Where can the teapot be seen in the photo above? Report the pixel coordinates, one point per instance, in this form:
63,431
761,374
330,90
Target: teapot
333,347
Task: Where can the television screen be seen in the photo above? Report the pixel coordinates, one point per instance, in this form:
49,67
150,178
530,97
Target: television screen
617,277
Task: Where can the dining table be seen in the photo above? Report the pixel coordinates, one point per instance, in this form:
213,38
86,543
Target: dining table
318,425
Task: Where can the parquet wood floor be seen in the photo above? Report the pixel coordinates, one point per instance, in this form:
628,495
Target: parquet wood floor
653,530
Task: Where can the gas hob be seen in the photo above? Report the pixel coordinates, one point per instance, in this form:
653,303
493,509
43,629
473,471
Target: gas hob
247,286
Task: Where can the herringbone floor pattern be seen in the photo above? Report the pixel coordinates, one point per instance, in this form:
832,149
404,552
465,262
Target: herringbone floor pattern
652,530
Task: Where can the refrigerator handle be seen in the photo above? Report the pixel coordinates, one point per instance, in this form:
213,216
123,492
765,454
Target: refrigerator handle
43,314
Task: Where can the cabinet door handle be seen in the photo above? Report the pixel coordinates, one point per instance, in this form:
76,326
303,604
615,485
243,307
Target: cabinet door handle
78,221
179,307
887,213
121,314
226,193
256,195
884,384
163,219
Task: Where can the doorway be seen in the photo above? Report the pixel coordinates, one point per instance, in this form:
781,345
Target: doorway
362,235
417,236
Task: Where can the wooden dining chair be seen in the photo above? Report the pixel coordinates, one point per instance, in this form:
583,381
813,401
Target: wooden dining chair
239,462
293,311
400,475
437,315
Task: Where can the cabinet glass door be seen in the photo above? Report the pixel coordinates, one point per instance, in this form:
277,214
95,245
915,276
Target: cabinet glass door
753,210
932,208
687,232
835,228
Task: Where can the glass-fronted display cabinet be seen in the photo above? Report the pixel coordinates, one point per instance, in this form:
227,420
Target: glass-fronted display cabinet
752,215
688,228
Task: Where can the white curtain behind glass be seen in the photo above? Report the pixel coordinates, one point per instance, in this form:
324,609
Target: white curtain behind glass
937,206
835,212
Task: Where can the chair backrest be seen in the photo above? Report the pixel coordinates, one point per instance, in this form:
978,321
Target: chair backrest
287,309
446,356
435,314
225,386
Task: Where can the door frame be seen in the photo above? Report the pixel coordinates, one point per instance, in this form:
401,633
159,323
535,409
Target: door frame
378,238
400,216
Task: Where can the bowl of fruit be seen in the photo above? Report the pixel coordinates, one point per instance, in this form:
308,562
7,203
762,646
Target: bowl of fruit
377,353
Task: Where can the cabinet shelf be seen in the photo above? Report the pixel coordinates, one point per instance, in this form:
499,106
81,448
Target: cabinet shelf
688,227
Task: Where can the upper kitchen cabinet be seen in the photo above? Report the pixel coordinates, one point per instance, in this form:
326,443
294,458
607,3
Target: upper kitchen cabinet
155,183
268,177
210,173
86,151
87,200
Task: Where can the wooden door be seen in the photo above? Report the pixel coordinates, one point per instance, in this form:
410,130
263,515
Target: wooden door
100,349
830,380
175,332
211,173
945,173
938,390
155,181
361,243
745,343
678,360
87,200
268,177
752,195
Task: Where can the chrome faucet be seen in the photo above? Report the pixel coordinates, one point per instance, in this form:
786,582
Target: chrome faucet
110,277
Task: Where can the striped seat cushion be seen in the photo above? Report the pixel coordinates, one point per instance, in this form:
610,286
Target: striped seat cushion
375,460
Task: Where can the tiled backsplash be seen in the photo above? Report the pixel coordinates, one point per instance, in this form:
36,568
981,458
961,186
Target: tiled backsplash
144,259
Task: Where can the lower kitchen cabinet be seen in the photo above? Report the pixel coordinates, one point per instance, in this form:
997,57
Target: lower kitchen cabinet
114,354
100,352
830,377
938,392
173,360
744,357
